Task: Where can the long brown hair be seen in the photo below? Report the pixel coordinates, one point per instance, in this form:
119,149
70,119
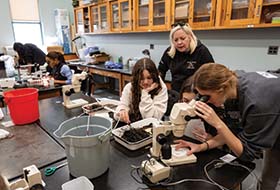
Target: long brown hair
137,72
213,76
56,55
187,87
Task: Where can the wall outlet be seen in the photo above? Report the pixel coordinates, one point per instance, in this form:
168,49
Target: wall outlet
272,50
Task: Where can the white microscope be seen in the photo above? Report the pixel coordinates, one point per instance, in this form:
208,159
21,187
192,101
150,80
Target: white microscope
155,170
75,87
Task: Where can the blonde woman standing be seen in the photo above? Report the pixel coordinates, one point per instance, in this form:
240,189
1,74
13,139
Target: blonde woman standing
185,55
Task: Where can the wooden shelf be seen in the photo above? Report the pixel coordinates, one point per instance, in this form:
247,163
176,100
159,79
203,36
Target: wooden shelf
182,2
240,7
159,2
159,16
143,18
144,5
181,18
201,16
271,4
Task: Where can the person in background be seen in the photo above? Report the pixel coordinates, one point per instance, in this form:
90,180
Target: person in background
195,128
259,114
29,54
185,55
61,72
9,65
186,92
145,96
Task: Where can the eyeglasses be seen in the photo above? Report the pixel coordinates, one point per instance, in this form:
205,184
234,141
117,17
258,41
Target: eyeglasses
181,24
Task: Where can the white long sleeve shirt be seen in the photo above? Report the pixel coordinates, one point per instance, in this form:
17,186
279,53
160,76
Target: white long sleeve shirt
149,108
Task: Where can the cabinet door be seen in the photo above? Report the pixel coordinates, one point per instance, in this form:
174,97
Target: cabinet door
180,11
104,22
82,20
142,15
95,26
270,14
152,15
202,13
115,16
243,12
79,21
125,15
160,14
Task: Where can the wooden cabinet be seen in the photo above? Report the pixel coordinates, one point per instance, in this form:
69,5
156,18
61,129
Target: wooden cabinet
152,15
270,13
94,18
100,17
158,15
202,13
243,12
82,19
104,17
121,15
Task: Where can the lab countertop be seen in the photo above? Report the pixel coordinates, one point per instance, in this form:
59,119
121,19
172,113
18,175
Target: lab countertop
118,176
125,70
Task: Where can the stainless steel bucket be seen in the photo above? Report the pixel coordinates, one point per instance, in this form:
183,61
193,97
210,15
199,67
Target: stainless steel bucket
87,153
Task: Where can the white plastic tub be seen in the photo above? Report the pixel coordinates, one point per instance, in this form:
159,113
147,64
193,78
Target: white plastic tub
118,133
79,183
103,102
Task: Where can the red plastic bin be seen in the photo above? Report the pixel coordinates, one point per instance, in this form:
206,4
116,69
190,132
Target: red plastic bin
23,105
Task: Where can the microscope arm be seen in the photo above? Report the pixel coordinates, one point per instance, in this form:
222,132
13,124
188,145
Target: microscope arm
68,90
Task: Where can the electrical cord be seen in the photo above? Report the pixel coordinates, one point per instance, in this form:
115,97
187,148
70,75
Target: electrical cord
140,173
221,163
251,173
209,178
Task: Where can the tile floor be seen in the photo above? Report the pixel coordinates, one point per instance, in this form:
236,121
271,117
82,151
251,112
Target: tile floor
248,184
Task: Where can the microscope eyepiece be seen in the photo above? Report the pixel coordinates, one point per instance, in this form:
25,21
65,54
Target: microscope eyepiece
202,98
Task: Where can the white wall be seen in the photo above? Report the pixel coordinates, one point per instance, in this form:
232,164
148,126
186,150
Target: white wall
238,49
6,32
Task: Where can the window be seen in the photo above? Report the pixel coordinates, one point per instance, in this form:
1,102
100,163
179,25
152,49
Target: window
26,22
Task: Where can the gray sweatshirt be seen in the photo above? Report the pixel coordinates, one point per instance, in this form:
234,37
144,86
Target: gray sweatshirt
259,105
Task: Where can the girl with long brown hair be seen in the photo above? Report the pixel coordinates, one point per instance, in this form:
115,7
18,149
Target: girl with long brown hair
145,96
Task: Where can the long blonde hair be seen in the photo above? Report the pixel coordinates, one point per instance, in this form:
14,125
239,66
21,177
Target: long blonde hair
187,29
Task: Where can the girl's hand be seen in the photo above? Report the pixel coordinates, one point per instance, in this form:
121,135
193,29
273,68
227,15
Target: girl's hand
200,134
152,87
123,115
191,146
208,114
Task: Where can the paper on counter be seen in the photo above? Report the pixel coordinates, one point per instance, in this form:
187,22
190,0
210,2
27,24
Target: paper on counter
3,133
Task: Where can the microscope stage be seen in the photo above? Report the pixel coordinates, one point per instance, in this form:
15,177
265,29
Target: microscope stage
179,157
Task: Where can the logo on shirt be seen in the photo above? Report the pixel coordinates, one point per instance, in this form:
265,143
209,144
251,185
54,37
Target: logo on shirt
266,74
190,64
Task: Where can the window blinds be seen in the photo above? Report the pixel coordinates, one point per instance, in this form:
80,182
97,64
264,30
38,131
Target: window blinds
24,10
